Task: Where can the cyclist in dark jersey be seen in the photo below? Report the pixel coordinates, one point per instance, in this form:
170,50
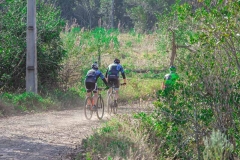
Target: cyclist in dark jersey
91,82
170,80
112,76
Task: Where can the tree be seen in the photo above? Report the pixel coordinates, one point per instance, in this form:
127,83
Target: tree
86,11
207,97
13,18
144,13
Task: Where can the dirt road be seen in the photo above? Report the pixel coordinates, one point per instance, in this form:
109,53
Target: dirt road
53,135
44,136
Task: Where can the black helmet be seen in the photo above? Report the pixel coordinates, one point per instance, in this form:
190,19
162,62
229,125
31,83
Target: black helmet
116,61
172,69
95,65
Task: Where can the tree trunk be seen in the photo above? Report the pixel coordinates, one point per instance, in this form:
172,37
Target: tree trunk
99,58
112,14
173,54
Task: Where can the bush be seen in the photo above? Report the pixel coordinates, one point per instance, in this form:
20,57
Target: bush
13,18
217,147
28,101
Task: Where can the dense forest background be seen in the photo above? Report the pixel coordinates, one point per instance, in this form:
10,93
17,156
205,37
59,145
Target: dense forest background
122,14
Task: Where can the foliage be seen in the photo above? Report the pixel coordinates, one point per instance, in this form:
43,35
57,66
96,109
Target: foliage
144,13
49,50
13,19
207,97
217,147
102,39
127,14
83,47
137,89
106,141
84,12
28,101
73,97
118,139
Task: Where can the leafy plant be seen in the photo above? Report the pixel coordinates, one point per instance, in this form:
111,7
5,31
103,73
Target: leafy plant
28,101
118,139
13,18
217,147
83,47
207,63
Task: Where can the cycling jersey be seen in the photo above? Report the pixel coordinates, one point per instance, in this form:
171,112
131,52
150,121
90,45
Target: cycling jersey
113,71
93,75
170,79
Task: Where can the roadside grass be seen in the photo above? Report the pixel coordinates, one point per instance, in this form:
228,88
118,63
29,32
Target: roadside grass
25,102
120,138
6,109
137,89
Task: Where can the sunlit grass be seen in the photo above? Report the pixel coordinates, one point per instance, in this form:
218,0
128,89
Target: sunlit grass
139,89
119,139
28,101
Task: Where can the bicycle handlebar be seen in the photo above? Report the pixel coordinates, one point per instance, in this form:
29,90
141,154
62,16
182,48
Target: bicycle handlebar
100,89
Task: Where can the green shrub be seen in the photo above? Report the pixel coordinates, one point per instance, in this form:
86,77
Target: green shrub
119,138
13,19
217,147
28,101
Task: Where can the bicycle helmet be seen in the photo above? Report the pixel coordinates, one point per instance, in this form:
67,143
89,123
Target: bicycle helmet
172,69
95,65
116,61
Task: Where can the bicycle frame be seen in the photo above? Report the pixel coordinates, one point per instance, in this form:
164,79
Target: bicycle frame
99,104
112,107
110,100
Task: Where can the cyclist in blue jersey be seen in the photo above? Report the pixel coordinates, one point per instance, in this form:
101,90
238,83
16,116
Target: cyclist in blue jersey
91,82
112,76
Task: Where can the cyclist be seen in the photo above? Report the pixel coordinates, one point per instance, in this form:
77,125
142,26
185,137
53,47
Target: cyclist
170,80
112,76
91,82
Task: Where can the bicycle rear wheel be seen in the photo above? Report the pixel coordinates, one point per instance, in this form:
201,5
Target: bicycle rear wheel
87,108
110,102
114,108
100,107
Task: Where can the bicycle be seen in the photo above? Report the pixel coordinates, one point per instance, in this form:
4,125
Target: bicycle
88,111
112,108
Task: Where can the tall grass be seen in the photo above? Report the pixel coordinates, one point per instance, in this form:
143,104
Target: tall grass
120,138
27,101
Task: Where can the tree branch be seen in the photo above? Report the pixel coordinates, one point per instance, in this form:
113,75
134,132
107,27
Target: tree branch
187,47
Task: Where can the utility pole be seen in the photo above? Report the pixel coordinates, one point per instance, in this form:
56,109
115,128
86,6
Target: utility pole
112,14
31,64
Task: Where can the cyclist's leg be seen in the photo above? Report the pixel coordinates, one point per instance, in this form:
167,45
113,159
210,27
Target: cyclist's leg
110,83
95,96
89,88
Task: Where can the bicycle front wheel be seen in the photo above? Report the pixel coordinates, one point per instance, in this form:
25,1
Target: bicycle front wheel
100,107
115,107
87,108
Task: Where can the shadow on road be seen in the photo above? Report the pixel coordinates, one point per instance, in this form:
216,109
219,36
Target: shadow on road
25,148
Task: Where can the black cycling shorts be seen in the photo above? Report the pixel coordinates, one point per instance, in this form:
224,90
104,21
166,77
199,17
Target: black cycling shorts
91,86
114,81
